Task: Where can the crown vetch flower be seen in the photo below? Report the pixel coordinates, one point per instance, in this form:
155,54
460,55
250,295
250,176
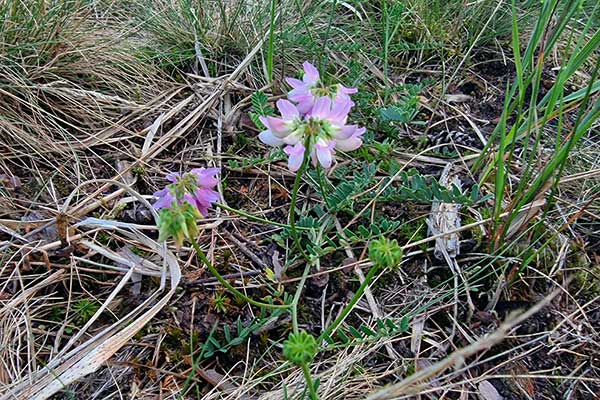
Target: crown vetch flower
314,119
195,188
183,201
305,92
323,128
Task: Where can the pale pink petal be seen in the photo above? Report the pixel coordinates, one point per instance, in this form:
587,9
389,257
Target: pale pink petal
301,91
295,83
206,176
325,153
346,90
321,108
278,126
311,74
339,112
305,103
296,156
313,157
345,132
165,199
188,198
202,209
173,176
292,139
287,109
267,137
205,196
352,143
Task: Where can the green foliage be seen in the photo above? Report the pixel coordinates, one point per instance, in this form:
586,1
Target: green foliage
407,185
343,196
310,229
381,226
385,253
32,33
413,186
242,333
526,113
261,108
351,336
300,349
406,110
220,302
85,309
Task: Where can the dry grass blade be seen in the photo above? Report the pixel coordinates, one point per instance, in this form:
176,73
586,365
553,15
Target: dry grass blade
411,385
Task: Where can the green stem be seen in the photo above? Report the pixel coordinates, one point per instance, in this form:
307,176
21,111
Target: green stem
368,279
254,217
195,362
296,299
295,189
229,286
309,382
321,180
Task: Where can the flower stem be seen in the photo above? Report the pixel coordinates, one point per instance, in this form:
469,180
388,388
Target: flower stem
229,286
312,392
296,299
295,189
368,279
321,179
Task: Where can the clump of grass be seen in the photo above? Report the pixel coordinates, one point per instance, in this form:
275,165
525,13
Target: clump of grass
66,73
568,115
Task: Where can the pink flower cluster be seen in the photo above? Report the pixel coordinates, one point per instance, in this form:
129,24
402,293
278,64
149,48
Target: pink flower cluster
315,116
194,188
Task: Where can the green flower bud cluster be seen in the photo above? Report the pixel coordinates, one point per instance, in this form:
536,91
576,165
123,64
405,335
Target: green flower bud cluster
300,348
178,222
385,253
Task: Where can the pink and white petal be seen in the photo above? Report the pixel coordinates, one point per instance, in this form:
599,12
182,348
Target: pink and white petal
347,90
325,153
360,131
352,143
287,109
311,73
313,157
340,110
173,176
292,139
305,106
278,126
206,196
161,193
188,198
212,171
206,176
295,83
345,132
301,91
203,209
268,138
321,108
303,102
349,144
165,199
296,156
